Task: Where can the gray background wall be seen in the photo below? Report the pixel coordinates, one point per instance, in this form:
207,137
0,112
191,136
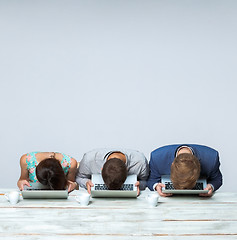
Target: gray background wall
77,75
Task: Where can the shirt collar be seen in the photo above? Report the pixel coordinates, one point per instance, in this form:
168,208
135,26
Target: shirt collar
109,153
183,146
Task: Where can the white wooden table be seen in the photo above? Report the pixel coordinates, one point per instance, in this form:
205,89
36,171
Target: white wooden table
177,217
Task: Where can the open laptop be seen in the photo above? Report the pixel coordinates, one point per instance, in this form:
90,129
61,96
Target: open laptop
40,191
99,189
199,187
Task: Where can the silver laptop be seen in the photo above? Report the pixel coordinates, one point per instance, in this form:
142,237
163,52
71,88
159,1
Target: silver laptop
199,187
40,191
100,189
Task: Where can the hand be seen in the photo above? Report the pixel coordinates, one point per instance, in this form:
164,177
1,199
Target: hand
22,183
89,184
159,190
138,189
210,191
71,186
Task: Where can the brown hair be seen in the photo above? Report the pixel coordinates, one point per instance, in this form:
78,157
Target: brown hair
50,172
114,173
185,171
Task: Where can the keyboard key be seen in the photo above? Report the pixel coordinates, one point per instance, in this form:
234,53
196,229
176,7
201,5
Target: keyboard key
169,186
125,187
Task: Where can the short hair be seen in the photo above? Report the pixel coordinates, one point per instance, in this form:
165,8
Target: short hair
185,171
114,173
50,172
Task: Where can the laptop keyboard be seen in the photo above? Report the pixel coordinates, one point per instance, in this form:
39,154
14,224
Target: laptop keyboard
125,187
35,189
169,186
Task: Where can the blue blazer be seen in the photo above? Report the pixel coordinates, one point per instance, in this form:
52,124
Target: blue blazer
162,158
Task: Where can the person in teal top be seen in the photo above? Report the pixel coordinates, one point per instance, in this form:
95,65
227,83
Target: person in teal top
57,170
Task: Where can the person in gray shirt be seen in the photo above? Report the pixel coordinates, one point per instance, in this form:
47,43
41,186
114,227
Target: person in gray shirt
113,173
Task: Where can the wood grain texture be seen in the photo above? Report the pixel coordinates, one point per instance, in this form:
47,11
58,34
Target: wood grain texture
178,217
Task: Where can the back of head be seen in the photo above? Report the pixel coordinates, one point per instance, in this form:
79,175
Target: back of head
114,173
185,171
50,172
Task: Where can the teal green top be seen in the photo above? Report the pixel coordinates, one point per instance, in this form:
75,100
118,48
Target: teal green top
32,164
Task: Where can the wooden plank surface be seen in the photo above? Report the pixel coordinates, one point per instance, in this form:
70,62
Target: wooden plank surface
179,217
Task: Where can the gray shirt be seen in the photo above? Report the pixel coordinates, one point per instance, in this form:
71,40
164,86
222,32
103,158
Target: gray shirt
93,161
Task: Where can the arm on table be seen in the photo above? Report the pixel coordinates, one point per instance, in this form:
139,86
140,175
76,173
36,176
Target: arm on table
215,177
143,174
154,180
24,177
71,176
83,176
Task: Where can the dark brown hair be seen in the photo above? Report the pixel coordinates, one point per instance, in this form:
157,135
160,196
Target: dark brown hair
114,173
185,171
50,172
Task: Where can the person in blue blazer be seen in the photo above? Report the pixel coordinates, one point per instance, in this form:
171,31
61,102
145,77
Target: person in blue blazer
185,163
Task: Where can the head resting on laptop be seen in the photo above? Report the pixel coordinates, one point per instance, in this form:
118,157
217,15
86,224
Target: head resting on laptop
185,171
114,173
50,172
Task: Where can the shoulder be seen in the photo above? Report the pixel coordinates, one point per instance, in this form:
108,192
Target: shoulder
135,155
88,157
23,160
89,154
28,156
166,149
208,157
73,162
202,149
164,155
98,153
67,158
23,157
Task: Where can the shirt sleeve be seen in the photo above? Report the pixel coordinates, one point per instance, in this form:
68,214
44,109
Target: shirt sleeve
154,176
143,175
83,172
215,178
